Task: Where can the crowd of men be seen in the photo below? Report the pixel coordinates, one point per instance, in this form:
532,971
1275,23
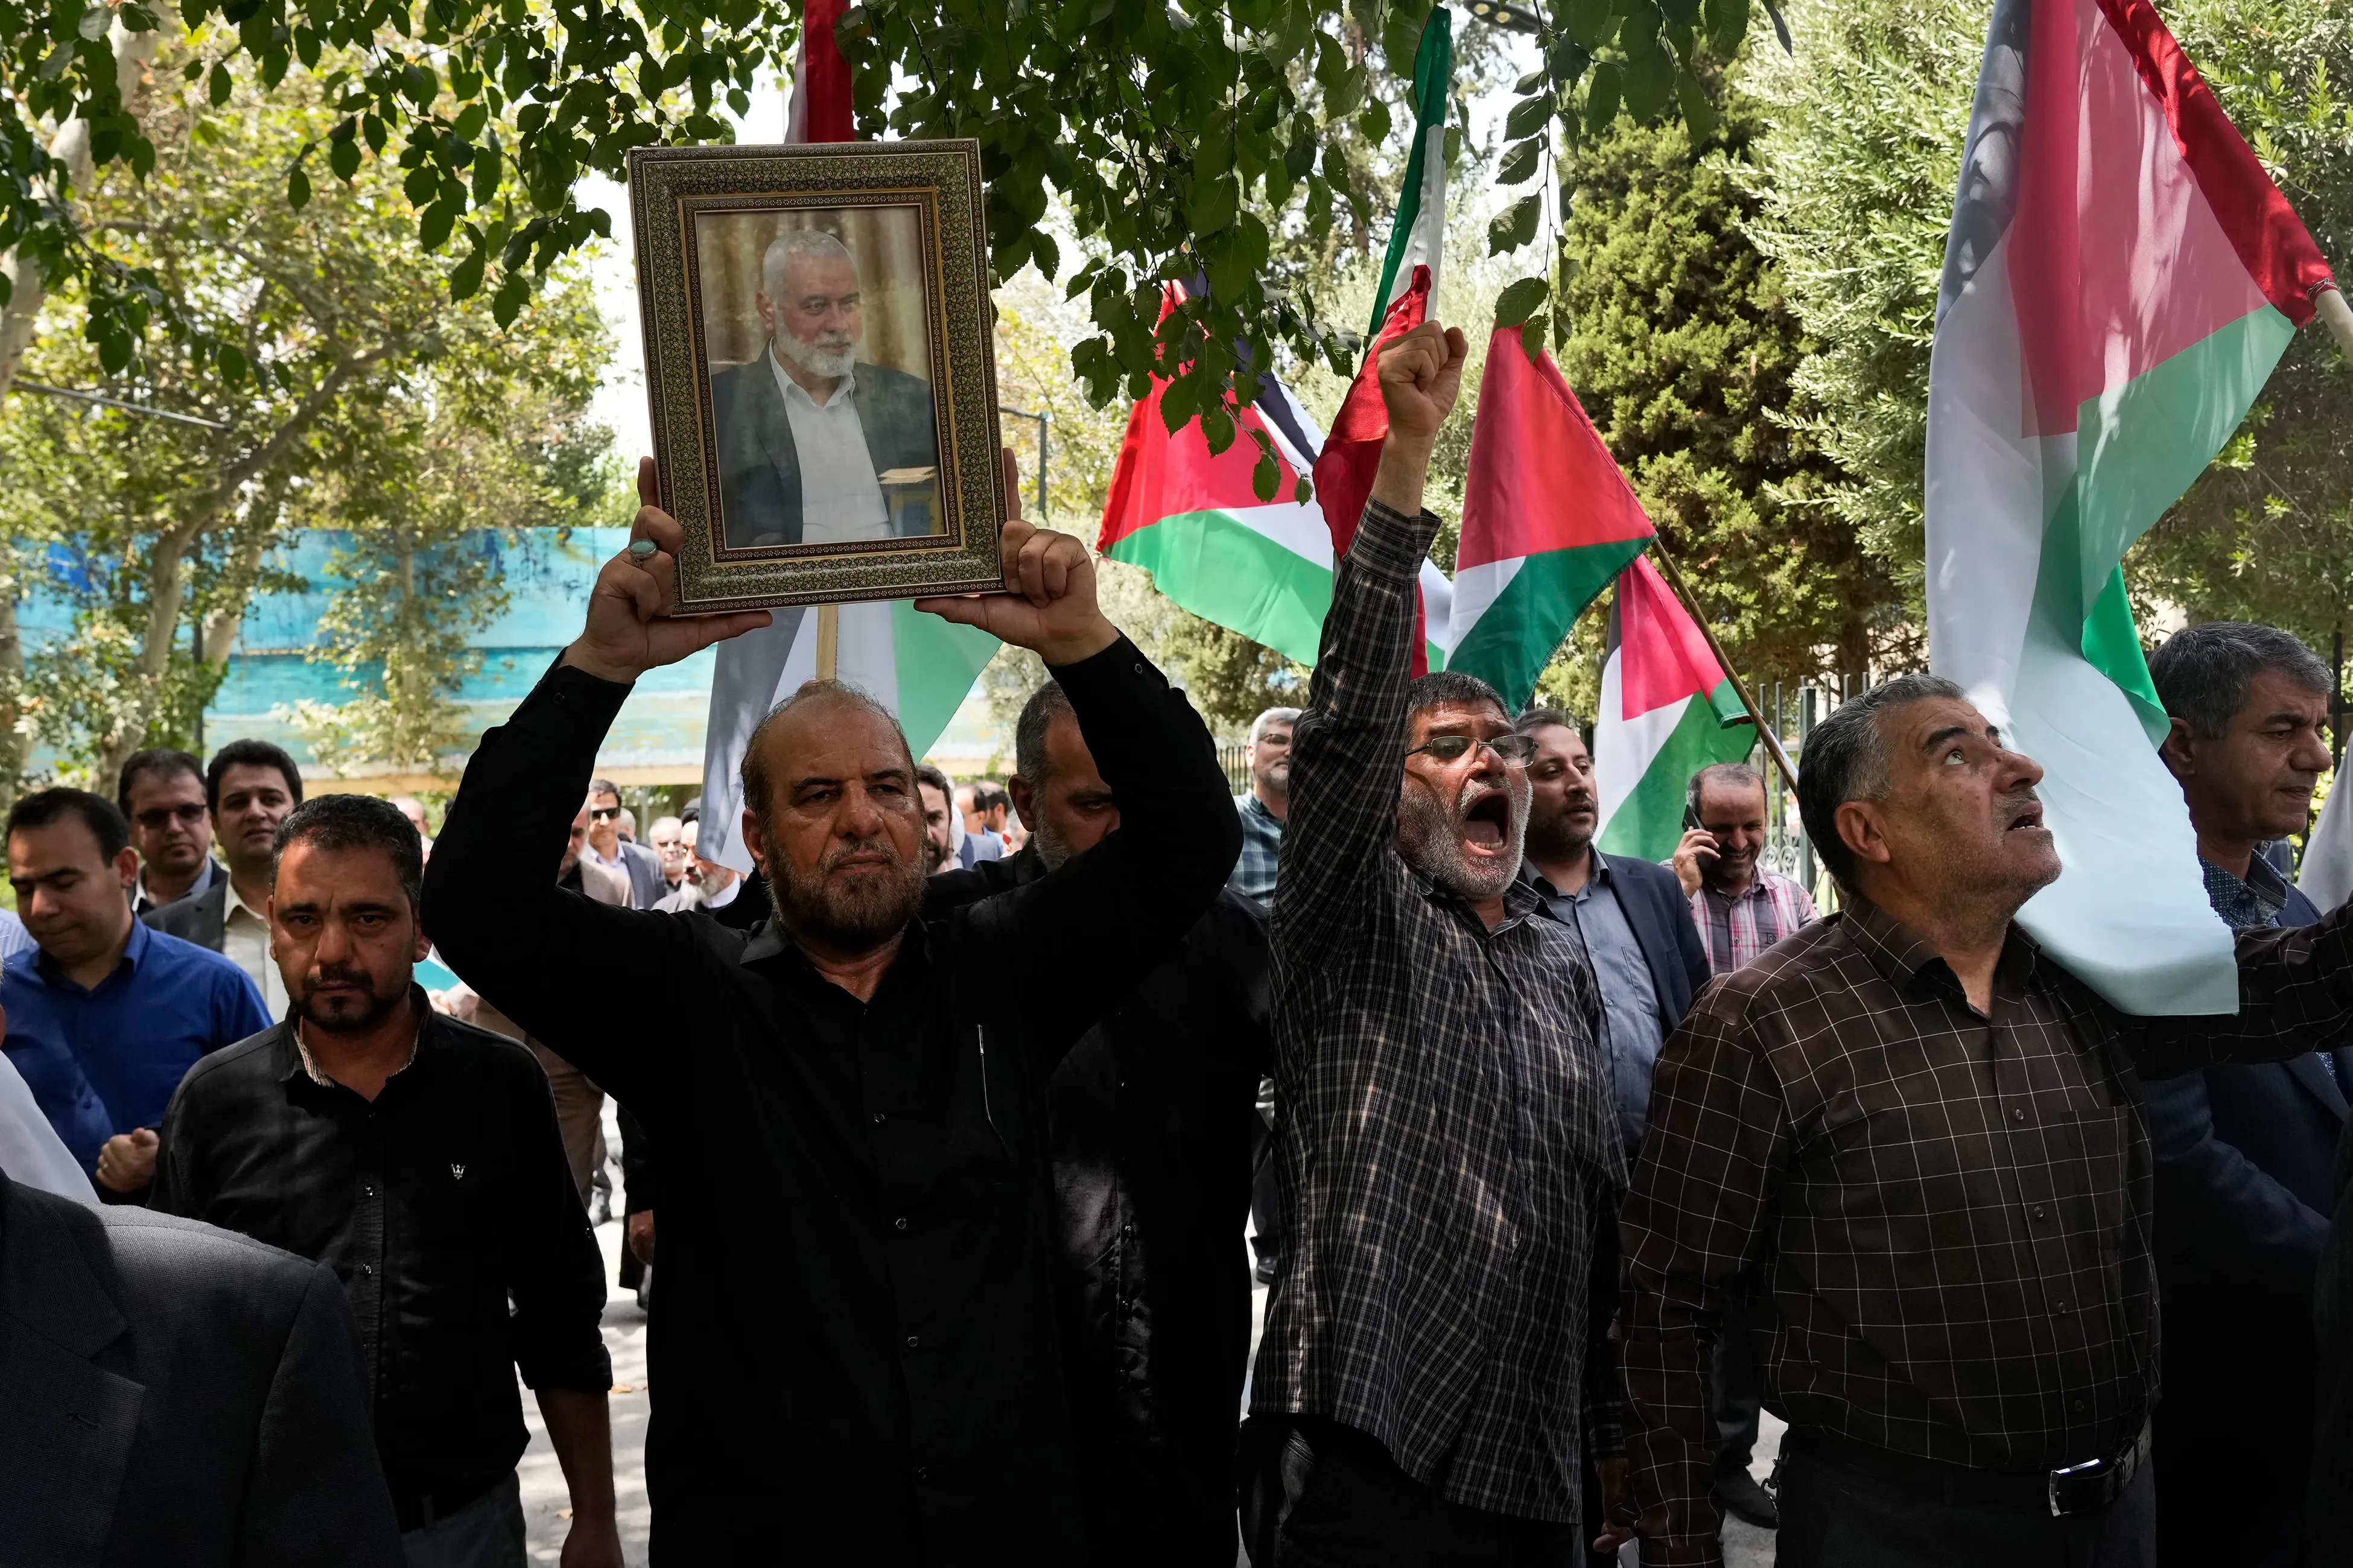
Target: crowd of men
1561,1165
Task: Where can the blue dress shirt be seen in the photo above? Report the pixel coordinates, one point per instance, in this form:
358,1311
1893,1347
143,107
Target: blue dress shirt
1629,999
104,1060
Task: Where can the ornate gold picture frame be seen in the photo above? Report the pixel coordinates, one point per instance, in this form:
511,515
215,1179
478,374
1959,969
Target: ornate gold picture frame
818,362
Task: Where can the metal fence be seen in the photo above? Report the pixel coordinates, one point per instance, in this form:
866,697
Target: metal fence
1235,759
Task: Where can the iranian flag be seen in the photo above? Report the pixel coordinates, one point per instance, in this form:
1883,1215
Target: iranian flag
919,666
1190,518
1548,519
1668,709
2120,279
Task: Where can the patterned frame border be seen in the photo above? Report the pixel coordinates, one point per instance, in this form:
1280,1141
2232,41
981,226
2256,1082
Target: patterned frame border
668,187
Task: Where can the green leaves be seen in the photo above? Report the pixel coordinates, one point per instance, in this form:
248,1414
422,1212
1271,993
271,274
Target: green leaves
1520,299
221,85
1516,225
1521,162
298,188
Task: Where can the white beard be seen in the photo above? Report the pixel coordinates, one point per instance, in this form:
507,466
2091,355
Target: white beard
827,363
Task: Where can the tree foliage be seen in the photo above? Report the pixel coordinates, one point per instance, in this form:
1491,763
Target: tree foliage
1682,350
1183,137
332,343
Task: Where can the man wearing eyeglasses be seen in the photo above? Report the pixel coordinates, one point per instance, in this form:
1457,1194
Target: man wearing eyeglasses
161,792
647,886
1435,1365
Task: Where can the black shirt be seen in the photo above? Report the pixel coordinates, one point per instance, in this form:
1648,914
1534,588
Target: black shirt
433,1204
856,1342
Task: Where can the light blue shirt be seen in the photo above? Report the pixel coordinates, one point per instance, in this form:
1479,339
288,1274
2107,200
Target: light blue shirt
1629,999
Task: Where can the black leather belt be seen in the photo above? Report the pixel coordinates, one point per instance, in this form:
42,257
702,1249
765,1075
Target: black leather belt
2085,1488
417,1510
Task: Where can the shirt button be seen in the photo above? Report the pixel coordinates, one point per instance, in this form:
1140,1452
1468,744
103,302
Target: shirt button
898,1223
1127,1231
878,1118
366,1270
914,1341
2058,1306
2079,1407
368,1190
2017,1113
922,1472
2039,1212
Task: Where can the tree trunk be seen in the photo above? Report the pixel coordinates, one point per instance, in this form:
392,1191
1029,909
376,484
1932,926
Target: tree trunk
133,52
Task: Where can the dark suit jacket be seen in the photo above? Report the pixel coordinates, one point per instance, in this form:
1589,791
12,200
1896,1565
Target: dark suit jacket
174,1394
2245,1183
1661,915
647,886
2329,1502
202,919
760,469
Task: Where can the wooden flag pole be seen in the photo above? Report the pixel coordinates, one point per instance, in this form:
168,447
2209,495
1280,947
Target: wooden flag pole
829,640
2331,307
1690,607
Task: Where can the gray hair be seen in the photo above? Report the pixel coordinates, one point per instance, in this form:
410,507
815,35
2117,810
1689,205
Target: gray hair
798,242
1846,759
1286,716
1458,686
2202,672
1046,704
755,770
1724,775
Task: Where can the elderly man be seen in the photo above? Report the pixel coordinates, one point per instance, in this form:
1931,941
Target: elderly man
1739,907
1152,1119
1436,1358
1913,1148
668,838
2246,1153
708,886
1264,805
857,1334
816,446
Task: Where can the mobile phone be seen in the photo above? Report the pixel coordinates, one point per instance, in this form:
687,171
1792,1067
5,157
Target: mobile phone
1691,817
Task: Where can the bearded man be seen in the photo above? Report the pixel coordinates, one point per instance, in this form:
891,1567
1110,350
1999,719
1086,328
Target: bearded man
858,1339
1436,1360
808,430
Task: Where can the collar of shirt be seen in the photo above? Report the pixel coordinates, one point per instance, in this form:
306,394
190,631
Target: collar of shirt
724,896
236,906
1904,957
308,1065
1599,877
1252,806
1757,888
2255,899
134,953
599,857
843,389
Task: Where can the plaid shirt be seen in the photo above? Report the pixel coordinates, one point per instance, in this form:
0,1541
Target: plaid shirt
1253,876
1940,1221
1446,1139
1734,930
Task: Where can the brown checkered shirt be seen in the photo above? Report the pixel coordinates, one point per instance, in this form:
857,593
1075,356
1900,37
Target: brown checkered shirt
1939,1220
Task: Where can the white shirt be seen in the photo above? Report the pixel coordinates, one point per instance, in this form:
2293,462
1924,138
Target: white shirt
841,498
724,896
245,941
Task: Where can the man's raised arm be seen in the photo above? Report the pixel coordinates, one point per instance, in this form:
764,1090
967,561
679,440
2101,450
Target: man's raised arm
1348,746
546,958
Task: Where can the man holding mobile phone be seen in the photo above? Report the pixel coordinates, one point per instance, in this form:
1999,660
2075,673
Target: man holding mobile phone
1740,907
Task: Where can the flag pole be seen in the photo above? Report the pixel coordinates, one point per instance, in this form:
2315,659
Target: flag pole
1690,607
2331,307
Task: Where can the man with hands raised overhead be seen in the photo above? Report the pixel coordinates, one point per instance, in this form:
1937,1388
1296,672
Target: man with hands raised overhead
856,1352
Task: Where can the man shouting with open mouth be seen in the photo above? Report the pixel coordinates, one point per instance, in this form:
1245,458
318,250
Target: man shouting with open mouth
1435,1365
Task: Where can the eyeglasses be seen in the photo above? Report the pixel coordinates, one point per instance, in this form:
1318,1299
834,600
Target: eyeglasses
155,818
604,813
1512,751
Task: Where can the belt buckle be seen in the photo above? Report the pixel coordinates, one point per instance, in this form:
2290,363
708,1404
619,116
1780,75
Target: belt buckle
2089,1469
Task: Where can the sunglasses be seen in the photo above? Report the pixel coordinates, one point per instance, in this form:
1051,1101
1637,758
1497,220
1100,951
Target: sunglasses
1512,751
155,818
604,813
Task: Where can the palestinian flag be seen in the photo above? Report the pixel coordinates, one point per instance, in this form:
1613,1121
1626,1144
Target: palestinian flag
1418,231
1668,709
1548,519
2120,279
1191,519
918,666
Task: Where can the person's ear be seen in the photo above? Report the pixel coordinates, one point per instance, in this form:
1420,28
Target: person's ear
126,866
1018,788
1861,831
2179,750
754,843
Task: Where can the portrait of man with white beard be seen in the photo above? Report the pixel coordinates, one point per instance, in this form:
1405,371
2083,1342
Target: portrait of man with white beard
817,444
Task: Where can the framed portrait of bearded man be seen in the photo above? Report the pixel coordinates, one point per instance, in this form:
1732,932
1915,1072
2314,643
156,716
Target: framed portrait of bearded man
818,332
